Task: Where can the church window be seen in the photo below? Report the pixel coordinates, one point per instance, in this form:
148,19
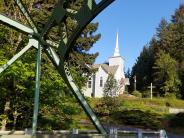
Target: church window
101,81
89,82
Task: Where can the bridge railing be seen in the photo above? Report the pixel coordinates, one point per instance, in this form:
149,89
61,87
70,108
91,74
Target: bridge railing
113,133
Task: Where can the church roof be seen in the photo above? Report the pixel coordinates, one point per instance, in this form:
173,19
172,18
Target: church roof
96,66
108,69
113,69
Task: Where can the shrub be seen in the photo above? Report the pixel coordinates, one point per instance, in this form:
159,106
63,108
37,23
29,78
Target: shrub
146,94
174,103
125,92
140,118
101,109
170,95
137,94
177,121
107,106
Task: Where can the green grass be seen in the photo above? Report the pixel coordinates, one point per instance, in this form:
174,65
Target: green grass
147,110
157,105
169,102
138,112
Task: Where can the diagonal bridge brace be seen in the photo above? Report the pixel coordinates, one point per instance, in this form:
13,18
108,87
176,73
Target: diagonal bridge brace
59,54
31,43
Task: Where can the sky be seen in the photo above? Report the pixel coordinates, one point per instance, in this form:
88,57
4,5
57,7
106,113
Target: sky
136,22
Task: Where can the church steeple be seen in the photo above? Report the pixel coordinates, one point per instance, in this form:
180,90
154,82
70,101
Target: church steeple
116,51
118,61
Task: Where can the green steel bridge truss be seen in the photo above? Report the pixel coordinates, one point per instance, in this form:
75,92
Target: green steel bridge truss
57,53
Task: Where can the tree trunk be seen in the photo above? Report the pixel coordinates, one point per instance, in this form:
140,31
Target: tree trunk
15,116
5,119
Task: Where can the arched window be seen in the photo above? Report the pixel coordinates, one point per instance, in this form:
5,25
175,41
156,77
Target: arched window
101,81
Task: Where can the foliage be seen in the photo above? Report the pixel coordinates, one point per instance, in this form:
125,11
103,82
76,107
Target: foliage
170,95
107,105
137,94
59,114
177,121
143,69
161,102
159,105
137,112
57,105
166,73
139,118
110,87
146,94
161,61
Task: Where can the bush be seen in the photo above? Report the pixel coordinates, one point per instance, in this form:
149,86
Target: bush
107,106
177,121
170,95
125,92
146,94
137,94
101,110
139,118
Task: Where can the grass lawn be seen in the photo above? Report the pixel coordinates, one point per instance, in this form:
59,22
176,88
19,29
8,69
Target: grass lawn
137,112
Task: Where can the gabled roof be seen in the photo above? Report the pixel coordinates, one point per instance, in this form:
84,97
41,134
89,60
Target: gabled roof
113,69
108,69
96,66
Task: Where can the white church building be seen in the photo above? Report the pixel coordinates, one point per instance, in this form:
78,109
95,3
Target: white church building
115,66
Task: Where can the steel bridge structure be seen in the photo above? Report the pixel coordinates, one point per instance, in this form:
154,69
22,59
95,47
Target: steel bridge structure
57,53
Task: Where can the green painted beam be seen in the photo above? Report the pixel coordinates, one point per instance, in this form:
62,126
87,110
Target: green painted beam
83,17
15,24
58,16
64,72
26,14
90,14
38,64
64,48
18,55
37,90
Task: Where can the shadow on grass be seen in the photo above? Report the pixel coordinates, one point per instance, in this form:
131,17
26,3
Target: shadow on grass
143,119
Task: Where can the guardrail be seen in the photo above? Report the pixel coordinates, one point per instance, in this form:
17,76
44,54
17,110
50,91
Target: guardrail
75,133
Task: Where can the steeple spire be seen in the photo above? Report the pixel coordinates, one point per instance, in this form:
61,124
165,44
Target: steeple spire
116,51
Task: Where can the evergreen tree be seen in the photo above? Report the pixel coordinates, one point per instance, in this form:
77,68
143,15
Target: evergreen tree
172,40
167,45
143,68
109,100
163,27
166,74
110,87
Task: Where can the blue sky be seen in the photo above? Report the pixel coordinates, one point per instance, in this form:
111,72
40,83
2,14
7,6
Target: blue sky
136,22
